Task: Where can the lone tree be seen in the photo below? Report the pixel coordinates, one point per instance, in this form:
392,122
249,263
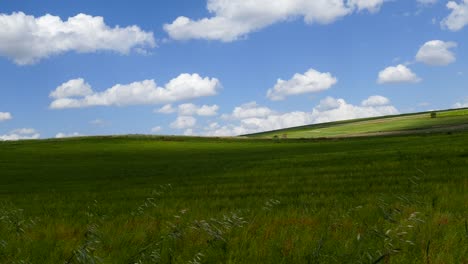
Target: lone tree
433,115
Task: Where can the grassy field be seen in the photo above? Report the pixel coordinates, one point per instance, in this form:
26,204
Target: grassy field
409,123
389,199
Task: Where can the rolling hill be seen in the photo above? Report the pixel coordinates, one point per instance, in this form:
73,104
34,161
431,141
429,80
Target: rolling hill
443,121
158,199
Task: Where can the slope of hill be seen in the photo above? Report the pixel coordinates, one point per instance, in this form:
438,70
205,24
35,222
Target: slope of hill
398,199
446,120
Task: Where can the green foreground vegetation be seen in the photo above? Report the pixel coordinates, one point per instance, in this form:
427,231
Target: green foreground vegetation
446,120
392,199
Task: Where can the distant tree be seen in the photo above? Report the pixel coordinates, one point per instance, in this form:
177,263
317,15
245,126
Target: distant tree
433,115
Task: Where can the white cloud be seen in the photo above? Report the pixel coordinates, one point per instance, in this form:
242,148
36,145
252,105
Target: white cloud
436,53
375,100
329,103
156,129
397,74
27,39
250,110
24,131
277,121
458,18
69,135
207,110
344,111
72,88
212,126
63,103
461,104
189,132
190,110
20,134
183,122
4,116
235,19
371,5
330,109
166,109
311,81
204,110
185,86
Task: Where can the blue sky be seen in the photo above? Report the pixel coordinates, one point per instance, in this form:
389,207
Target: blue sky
214,67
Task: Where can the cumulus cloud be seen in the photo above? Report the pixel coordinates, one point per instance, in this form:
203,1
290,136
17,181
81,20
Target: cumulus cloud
372,106
212,126
69,135
20,134
27,39
72,88
190,110
189,132
183,122
249,110
235,19
371,5
397,74
375,100
458,18
327,104
204,110
328,110
461,104
436,53
4,116
311,81
166,109
156,129
185,86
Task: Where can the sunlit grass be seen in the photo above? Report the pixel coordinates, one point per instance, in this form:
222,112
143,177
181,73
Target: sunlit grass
190,200
404,123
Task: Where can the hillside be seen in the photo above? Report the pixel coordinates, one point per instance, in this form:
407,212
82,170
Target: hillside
400,199
444,121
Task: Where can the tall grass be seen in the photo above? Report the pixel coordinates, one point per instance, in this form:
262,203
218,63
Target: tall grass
125,200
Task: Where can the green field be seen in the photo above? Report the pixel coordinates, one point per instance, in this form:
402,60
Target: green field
447,120
391,199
